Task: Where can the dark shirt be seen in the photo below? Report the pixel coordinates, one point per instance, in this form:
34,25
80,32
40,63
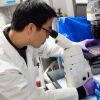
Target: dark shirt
21,51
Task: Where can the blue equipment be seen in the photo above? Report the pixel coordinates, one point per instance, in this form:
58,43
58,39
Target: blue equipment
75,28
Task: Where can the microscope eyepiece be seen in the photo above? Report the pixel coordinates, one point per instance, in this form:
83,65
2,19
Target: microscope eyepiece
53,34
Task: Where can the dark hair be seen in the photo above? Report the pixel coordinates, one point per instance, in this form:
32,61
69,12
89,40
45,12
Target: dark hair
31,11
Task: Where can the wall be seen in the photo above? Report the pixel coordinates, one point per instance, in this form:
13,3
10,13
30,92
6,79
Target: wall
70,8
60,4
65,5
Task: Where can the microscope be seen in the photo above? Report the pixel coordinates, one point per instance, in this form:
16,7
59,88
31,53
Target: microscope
76,68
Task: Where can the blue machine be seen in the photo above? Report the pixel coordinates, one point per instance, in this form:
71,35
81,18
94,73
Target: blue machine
75,28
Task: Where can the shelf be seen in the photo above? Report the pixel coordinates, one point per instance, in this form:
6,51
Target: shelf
4,4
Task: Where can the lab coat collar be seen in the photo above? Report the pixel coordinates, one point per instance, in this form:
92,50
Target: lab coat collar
9,49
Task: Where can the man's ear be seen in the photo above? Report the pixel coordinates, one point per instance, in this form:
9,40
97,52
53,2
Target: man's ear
31,28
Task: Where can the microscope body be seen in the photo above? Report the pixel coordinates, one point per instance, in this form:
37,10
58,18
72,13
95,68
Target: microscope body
76,68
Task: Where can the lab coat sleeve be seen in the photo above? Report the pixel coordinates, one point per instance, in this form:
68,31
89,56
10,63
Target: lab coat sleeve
58,94
14,86
64,94
50,49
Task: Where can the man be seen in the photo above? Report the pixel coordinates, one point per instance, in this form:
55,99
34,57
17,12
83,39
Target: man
21,43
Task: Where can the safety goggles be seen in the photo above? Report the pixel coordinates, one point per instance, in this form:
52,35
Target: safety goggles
49,31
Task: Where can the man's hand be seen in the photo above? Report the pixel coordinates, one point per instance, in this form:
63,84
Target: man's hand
89,87
88,43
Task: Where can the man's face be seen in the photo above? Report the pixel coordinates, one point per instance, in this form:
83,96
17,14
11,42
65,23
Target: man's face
40,36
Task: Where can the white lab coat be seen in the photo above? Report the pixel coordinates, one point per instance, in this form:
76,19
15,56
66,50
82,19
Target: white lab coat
17,80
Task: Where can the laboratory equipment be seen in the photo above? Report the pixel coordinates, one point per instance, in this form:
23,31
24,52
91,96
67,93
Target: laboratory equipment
95,50
75,28
93,15
76,67
93,57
